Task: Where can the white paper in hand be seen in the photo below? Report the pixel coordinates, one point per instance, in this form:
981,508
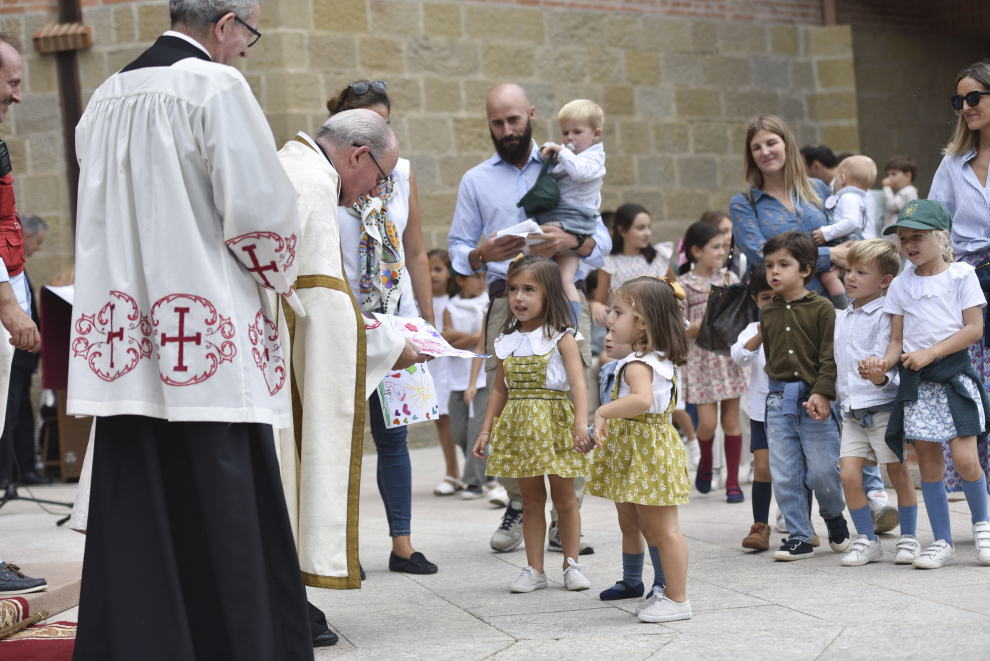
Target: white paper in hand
425,337
523,230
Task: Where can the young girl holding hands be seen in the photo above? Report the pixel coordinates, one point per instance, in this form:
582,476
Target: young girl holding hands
936,314
709,378
534,429
641,461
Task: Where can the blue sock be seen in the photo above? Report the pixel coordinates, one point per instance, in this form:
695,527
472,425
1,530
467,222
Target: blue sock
632,568
909,520
937,504
576,310
658,578
976,496
863,522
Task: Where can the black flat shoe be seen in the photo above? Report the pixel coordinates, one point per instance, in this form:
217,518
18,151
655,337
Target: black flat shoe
416,564
364,576
325,639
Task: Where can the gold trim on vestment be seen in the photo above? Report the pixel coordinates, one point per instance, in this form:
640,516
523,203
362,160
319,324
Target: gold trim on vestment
353,579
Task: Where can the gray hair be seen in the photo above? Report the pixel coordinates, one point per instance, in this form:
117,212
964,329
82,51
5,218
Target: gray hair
198,14
32,225
359,127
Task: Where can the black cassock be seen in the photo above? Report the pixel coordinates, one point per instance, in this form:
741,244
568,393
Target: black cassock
189,549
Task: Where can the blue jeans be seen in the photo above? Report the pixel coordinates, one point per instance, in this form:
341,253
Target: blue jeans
394,470
803,451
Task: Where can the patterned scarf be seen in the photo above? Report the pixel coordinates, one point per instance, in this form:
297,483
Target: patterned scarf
380,252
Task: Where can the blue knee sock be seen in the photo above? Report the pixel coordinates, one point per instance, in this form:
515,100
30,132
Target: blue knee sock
632,568
576,310
658,578
976,496
863,522
909,520
937,504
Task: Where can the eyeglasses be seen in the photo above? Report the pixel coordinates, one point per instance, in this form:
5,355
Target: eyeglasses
972,99
362,88
378,182
257,35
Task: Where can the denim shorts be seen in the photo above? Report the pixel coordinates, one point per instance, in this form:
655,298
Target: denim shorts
757,436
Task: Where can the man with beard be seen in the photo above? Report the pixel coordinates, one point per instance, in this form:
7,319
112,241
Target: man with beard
486,203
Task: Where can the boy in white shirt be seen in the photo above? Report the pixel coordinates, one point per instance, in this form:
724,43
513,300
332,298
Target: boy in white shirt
748,350
578,173
863,331
852,212
898,188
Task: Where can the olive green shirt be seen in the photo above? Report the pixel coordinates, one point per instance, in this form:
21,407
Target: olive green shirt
797,341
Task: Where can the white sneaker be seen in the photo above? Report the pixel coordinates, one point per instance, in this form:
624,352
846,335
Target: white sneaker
498,496
650,599
510,533
981,535
885,517
665,610
693,452
939,554
781,522
528,580
862,551
908,549
574,580
717,482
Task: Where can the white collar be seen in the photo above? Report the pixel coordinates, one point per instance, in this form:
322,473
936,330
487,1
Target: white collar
186,37
869,308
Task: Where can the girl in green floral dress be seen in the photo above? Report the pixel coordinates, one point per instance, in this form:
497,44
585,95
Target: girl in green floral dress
534,429
640,459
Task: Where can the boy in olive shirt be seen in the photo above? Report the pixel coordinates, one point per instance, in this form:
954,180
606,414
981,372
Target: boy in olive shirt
802,433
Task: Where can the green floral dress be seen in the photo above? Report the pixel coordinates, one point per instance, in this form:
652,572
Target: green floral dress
534,435
643,460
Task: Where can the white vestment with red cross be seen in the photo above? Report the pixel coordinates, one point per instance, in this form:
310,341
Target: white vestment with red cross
185,218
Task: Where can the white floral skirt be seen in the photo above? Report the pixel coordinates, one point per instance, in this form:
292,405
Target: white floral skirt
929,418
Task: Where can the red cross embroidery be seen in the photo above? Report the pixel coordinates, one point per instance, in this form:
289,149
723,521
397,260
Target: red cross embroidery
258,268
181,338
113,334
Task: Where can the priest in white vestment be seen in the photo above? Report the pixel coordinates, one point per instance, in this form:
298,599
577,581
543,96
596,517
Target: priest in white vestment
330,382
185,218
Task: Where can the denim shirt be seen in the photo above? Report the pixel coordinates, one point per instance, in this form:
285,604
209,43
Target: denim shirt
752,233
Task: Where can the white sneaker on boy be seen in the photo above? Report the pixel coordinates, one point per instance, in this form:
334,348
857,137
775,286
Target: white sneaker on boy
781,523
908,549
863,551
665,610
939,554
651,597
498,496
981,535
574,580
884,515
528,580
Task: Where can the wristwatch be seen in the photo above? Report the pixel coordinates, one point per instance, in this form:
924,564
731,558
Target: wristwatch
581,239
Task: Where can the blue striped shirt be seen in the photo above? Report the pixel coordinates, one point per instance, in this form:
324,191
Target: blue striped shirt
752,232
956,186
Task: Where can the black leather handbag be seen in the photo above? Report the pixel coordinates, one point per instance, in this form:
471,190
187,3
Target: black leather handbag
730,309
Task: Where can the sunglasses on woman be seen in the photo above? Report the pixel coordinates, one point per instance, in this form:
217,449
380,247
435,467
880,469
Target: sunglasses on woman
972,99
362,88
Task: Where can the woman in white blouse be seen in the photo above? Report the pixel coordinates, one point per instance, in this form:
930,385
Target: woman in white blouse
392,275
961,185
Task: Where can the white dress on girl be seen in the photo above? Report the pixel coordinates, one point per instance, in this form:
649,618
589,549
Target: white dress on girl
467,315
440,367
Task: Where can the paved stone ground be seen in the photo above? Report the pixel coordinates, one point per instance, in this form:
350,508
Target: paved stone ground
745,605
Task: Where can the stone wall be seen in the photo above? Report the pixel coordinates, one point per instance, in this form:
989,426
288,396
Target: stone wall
903,85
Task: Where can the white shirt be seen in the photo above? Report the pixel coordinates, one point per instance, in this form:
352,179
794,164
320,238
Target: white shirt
440,367
759,384
850,215
180,193
663,379
350,240
468,316
893,203
933,306
535,344
862,333
580,176
955,185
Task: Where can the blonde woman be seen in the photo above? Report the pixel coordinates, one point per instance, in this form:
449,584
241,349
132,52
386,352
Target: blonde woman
781,197
960,184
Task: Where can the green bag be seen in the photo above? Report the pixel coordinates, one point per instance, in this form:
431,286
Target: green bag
544,194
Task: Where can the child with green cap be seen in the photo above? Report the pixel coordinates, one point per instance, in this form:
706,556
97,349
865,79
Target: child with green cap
936,307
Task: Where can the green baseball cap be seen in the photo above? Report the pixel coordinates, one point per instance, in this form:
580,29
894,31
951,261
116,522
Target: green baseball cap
922,215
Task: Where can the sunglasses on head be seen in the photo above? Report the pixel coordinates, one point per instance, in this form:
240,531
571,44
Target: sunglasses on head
972,99
362,88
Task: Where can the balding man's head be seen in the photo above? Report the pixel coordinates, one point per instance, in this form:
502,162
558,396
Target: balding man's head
363,150
509,120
